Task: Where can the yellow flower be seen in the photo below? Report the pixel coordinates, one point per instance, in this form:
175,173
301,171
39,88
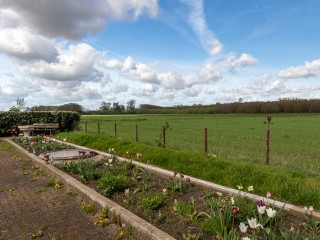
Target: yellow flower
250,188
239,187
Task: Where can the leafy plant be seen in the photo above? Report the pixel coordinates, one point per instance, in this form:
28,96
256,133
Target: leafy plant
186,211
86,169
110,184
88,208
152,202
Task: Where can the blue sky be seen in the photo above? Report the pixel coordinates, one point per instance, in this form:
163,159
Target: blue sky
165,52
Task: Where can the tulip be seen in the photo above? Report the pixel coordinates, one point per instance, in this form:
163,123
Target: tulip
261,209
271,213
243,227
254,224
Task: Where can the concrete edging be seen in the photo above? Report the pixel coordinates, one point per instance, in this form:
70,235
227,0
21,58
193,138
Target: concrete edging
140,227
286,206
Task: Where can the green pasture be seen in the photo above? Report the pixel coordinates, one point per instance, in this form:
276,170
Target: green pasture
295,141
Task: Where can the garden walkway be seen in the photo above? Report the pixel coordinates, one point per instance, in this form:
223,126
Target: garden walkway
29,209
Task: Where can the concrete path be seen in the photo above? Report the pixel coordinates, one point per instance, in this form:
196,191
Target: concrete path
30,209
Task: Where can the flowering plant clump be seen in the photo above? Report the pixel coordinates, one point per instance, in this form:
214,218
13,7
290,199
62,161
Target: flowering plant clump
39,144
176,202
180,183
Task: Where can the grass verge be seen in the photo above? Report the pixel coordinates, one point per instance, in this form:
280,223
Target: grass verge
296,187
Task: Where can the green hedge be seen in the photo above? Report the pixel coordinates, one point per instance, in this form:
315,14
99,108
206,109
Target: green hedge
67,120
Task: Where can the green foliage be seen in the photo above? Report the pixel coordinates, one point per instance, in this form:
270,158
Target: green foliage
111,184
185,210
152,202
297,187
88,208
86,169
12,119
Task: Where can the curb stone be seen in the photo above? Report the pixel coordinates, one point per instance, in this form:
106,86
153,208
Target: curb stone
141,228
286,206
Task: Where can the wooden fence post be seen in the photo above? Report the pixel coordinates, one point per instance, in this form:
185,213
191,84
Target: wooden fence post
86,127
137,133
206,140
115,130
268,147
164,137
99,127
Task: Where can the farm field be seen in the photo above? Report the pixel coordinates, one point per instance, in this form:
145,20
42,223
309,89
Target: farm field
295,142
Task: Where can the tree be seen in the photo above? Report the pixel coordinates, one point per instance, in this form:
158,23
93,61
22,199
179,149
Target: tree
105,106
131,105
21,104
116,107
71,107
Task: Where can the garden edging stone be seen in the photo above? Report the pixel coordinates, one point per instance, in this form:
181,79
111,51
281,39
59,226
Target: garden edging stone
141,228
227,190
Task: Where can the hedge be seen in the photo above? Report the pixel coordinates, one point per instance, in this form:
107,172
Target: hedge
9,121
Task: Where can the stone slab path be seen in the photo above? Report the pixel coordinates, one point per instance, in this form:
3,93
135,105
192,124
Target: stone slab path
30,209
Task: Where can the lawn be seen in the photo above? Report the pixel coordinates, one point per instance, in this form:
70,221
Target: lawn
295,140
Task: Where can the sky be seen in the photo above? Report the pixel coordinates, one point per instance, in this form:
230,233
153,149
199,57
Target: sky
160,52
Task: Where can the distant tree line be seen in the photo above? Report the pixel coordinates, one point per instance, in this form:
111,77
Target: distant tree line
283,105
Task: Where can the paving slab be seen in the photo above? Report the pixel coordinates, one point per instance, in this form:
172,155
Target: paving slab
29,209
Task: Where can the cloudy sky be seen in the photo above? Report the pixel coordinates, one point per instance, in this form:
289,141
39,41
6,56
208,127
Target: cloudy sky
162,52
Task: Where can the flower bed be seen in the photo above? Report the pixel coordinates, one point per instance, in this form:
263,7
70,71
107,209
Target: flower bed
40,144
188,211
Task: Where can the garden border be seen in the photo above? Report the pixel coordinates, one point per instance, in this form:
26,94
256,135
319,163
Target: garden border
141,228
227,190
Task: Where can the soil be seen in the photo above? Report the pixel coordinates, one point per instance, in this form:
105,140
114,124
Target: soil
30,209
165,218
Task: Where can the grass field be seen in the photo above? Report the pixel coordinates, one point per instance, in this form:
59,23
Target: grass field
295,142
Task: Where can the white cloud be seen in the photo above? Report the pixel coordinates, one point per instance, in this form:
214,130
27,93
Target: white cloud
199,25
172,80
75,63
20,43
112,64
309,69
209,72
192,92
119,87
260,82
9,18
146,73
74,19
128,64
145,90
244,60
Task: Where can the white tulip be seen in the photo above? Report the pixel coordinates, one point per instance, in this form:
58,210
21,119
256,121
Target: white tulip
271,213
254,224
261,209
243,227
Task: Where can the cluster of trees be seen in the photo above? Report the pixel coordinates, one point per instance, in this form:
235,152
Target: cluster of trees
108,107
283,105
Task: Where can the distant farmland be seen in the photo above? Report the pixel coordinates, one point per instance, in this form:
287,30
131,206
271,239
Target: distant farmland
295,138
